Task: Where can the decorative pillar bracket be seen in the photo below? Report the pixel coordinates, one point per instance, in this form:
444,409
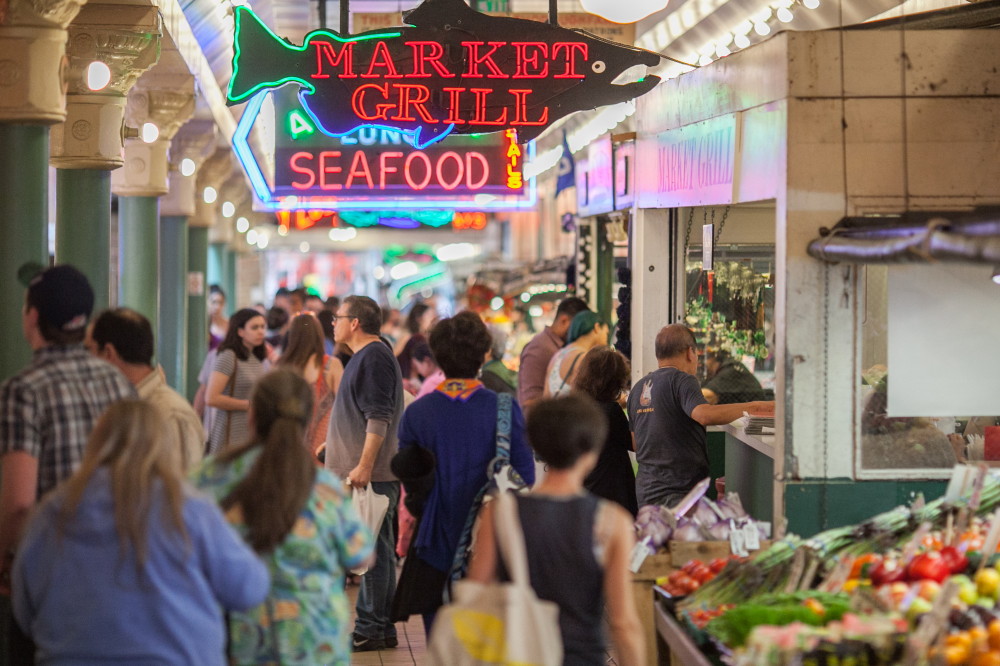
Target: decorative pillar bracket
195,141
127,39
213,173
32,49
167,101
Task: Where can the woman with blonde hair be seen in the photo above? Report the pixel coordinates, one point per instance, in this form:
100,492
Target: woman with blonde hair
299,518
123,563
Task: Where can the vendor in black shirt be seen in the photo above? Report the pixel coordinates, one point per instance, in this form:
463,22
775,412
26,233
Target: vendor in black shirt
729,380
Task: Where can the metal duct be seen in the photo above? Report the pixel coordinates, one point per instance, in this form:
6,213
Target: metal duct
939,240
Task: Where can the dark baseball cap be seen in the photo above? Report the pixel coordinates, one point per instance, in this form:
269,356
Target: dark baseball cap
62,295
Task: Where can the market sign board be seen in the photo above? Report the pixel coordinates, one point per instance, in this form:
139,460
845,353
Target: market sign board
451,70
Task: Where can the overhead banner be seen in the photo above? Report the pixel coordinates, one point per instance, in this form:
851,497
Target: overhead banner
452,70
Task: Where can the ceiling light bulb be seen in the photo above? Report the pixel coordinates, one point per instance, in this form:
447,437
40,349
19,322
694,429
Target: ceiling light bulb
704,60
623,12
996,274
785,15
303,247
742,41
252,237
810,4
242,224
228,209
262,240
722,51
187,166
210,194
150,132
496,303
98,75
762,29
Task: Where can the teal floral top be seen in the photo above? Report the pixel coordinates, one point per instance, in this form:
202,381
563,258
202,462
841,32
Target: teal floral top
307,601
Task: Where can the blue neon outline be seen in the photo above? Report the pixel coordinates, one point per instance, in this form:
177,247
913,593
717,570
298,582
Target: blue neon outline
244,153
237,28
270,203
415,133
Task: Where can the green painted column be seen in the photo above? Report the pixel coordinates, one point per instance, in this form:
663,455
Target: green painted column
24,177
229,281
197,305
605,267
138,255
83,227
173,300
216,273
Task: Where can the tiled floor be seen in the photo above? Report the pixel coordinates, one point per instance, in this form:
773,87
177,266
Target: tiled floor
412,648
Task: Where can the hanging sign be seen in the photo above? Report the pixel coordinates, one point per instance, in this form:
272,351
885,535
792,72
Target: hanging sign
451,70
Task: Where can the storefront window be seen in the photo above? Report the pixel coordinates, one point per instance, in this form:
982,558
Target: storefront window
896,432
730,306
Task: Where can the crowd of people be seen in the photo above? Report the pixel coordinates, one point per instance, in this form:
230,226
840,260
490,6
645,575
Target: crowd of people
139,528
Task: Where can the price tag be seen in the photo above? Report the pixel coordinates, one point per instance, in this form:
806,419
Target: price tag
736,542
639,554
992,538
765,528
977,488
751,537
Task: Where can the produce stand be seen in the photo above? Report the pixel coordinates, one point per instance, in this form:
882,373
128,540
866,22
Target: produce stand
675,645
919,584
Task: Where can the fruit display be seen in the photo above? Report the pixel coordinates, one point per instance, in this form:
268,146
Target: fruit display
917,584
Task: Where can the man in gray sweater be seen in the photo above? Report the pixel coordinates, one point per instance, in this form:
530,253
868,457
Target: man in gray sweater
361,442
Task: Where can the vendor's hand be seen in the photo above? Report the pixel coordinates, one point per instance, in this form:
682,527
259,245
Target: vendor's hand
359,477
958,446
761,408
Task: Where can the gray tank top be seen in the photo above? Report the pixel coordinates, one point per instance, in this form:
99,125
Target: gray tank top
559,540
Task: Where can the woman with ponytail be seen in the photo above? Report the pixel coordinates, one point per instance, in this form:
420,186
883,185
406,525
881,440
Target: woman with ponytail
124,563
299,519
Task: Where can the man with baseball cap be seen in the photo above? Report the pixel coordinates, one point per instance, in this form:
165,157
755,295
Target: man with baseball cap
48,409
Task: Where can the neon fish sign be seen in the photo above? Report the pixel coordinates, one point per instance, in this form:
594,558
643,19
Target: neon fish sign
452,69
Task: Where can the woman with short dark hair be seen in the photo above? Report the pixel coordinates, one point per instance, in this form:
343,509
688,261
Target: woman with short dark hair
604,375
457,425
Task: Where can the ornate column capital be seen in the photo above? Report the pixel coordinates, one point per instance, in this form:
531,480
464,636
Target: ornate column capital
126,38
32,48
195,141
167,101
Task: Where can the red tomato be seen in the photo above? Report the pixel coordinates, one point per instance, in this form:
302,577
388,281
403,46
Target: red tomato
928,566
887,571
863,564
718,564
955,559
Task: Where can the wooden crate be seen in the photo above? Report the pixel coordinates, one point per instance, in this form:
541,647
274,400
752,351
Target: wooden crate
681,552
655,566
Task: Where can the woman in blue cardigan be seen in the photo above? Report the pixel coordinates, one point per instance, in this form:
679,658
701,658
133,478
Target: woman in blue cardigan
456,425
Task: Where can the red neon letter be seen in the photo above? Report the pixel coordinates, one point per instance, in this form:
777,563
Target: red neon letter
458,162
420,58
453,110
471,157
293,163
521,109
415,96
357,102
407,168
382,58
326,51
324,169
570,48
480,117
486,59
524,60
359,167
385,168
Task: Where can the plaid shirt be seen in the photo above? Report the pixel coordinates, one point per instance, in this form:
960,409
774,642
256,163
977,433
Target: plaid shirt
48,409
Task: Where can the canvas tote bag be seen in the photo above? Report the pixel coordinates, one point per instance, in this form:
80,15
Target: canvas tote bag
498,623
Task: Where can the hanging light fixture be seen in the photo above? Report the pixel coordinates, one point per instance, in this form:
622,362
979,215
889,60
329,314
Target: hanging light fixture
620,11
996,274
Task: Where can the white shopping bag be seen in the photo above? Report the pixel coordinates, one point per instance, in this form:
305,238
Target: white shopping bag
371,507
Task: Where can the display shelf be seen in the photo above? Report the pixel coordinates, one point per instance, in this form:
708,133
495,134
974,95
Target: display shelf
762,443
680,647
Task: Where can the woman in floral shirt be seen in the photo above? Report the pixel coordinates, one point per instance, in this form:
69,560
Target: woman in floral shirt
299,518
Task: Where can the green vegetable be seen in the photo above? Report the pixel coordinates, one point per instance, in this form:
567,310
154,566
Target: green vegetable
734,626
